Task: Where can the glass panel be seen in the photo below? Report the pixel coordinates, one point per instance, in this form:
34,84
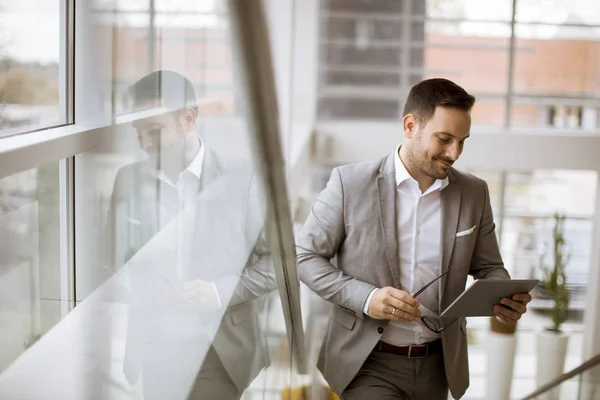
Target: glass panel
556,92
362,31
472,10
340,56
175,278
345,108
342,78
525,246
558,12
547,191
362,52
187,37
531,199
33,283
488,112
30,66
361,6
463,51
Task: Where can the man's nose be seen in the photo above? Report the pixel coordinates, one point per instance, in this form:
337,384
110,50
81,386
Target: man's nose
453,152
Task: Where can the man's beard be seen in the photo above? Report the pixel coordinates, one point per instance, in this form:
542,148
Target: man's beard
423,164
169,154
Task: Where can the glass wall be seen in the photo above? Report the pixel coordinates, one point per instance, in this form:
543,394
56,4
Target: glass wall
371,53
524,204
173,275
34,287
524,207
32,63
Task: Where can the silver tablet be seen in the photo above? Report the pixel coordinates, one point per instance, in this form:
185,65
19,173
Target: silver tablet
481,296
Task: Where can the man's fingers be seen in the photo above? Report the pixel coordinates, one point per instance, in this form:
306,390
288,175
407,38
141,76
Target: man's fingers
399,315
515,305
506,312
505,320
522,298
405,316
402,306
403,296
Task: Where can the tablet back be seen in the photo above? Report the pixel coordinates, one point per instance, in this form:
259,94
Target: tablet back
479,298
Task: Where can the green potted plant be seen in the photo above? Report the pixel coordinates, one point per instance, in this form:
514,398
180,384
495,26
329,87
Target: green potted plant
552,342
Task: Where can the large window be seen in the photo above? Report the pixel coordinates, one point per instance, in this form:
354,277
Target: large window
156,228
371,53
32,65
190,37
524,206
34,285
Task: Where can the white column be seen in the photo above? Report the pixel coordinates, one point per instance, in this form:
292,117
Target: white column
590,388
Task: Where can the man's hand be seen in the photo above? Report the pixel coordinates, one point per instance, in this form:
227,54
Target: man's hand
513,308
394,304
199,295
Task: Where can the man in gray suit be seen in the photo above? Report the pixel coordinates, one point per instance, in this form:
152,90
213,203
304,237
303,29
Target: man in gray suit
405,232
187,224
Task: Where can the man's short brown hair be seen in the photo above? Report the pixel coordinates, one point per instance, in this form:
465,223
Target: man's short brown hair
426,95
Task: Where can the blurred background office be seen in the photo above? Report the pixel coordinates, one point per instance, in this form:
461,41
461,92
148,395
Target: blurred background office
338,72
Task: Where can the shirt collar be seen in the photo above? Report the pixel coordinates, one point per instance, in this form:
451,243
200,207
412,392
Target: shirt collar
403,175
195,166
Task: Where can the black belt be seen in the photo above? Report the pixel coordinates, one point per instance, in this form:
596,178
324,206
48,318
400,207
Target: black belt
414,351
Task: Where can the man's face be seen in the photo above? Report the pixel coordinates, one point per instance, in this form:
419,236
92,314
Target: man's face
161,137
435,146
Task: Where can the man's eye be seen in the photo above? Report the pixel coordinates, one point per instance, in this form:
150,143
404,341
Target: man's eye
444,139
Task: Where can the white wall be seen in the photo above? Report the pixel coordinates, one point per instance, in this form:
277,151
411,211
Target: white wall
347,142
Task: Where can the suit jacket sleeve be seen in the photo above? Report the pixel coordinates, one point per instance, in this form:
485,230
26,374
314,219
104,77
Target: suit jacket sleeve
319,241
258,276
486,262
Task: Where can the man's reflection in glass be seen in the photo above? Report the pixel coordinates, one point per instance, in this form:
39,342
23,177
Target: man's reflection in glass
189,226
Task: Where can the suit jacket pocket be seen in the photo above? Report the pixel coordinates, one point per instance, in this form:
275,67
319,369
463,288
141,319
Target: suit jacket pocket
241,314
466,239
346,319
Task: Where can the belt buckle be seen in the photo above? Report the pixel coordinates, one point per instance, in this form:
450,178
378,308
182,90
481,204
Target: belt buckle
418,346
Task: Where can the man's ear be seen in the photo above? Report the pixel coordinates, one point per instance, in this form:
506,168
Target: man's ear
410,125
188,118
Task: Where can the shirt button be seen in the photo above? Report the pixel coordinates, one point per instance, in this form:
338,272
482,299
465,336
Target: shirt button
380,330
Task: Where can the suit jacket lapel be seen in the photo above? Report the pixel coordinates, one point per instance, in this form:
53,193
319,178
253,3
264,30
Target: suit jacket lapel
210,169
386,189
451,198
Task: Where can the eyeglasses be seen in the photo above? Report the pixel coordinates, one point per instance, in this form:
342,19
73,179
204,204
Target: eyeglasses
429,324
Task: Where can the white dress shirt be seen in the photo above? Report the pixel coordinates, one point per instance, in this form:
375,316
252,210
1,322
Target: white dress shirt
188,186
419,227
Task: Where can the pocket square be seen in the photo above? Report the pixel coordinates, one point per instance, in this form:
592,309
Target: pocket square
465,233
133,221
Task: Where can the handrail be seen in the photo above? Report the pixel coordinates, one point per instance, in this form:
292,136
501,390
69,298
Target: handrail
251,40
592,362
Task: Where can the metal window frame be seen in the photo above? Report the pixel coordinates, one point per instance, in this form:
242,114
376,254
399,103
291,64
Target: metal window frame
252,43
404,70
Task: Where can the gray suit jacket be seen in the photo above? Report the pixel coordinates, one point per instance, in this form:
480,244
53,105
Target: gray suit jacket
228,248
354,221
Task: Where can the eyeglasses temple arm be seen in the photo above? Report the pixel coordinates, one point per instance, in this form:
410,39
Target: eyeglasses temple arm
429,284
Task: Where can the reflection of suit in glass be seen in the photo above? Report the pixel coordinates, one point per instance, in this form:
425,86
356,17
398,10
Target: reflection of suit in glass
223,241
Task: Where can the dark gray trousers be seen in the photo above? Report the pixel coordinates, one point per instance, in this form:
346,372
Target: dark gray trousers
391,376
